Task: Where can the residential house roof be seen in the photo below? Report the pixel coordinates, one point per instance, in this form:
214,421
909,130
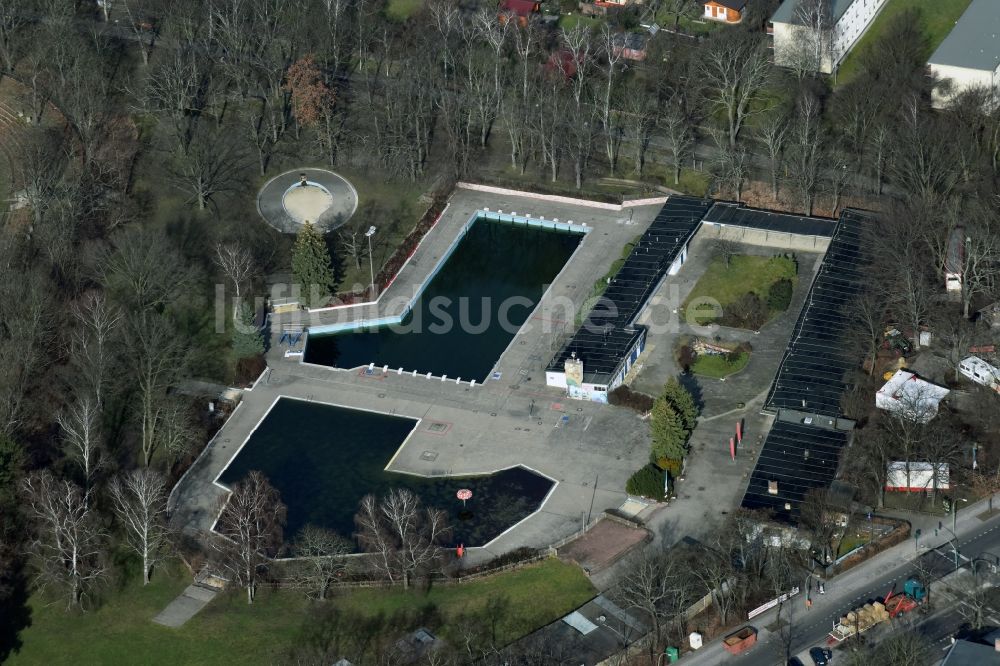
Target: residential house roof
787,11
634,41
519,7
738,5
967,653
974,42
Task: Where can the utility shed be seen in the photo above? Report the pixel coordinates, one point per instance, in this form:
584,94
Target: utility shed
969,57
910,397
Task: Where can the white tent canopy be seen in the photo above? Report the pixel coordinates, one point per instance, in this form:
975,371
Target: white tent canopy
920,477
910,397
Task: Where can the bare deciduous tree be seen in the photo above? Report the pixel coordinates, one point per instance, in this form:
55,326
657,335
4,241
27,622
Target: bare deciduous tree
26,310
811,46
676,122
13,19
251,523
209,166
140,504
866,314
923,153
91,343
402,536
734,68
773,133
659,585
156,356
67,543
323,560
80,424
807,148
237,263
143,271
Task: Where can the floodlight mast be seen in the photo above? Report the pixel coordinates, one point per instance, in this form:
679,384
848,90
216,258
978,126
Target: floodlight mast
371,262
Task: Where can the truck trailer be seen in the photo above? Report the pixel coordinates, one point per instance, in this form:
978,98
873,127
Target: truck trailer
980,372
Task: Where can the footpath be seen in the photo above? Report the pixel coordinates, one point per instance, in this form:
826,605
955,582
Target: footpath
849,589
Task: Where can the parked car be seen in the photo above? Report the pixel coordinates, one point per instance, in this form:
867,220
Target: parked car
820,656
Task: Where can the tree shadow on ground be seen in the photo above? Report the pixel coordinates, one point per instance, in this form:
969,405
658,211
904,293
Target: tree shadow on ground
13,609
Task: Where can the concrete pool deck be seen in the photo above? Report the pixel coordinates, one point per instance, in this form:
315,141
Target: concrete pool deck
516,420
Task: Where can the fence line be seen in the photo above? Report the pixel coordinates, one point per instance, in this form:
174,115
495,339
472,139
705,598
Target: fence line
436,580
556,198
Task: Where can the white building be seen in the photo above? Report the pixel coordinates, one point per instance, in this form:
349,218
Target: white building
910,397
970,56
845,20
917,476
981,372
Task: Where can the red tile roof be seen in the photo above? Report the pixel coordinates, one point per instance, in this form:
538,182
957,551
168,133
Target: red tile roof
519,7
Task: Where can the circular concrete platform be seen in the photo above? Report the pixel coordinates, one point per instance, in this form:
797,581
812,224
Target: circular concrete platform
320,196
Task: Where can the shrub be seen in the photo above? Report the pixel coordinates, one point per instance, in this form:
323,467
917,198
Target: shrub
647,482
686,357
746,312
779,296
623,396
671,466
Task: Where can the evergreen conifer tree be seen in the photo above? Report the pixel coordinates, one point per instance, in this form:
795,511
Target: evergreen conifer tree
682,402
247,340
311,265
669,434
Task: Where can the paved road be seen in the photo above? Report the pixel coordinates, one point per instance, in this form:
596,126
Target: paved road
978,536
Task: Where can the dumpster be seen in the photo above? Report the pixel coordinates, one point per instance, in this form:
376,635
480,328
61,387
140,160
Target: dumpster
740,640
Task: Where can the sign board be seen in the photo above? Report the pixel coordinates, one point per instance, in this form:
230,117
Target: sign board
772,603
574,372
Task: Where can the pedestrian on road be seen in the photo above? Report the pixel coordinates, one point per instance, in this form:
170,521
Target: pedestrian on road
809,603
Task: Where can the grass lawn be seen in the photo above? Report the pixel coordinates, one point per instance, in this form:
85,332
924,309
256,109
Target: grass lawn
693,182
568,21
937,16
538,594
228,631
718,366
392,206
745,273
400,10
849,543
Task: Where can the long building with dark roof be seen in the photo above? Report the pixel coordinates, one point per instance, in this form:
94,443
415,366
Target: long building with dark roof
602,351
802,451
609,341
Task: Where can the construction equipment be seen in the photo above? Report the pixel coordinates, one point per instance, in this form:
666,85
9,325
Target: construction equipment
913,595
858,621
740,640
895,342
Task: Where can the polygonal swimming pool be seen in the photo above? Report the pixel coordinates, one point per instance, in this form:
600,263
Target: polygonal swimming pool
324,459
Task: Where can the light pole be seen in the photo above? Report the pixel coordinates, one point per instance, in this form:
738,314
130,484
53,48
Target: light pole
954,515
371,262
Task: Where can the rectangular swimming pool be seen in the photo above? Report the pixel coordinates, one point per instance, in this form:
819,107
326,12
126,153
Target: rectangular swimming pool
470,311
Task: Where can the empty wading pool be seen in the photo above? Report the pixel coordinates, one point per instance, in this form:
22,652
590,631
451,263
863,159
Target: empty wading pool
481,294
324,459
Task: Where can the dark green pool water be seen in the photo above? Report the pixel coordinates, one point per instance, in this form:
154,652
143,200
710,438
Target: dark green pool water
324,459
469,312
